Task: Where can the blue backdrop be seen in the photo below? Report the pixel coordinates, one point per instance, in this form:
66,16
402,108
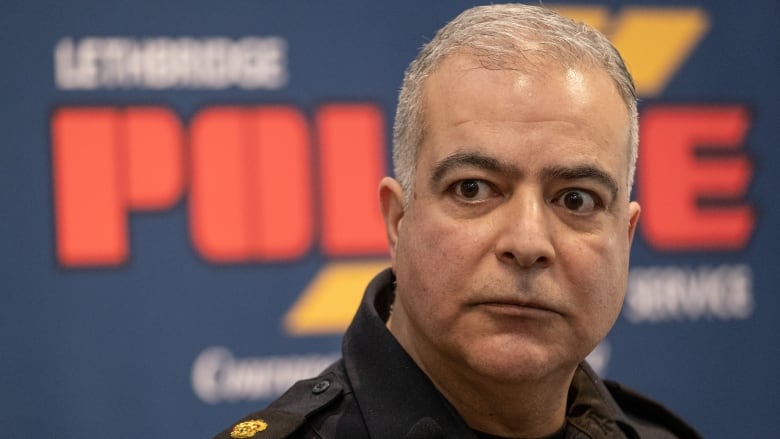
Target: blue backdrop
183,230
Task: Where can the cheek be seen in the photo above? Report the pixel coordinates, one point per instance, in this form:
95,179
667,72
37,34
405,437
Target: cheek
597,270
433,241
425,262
435,261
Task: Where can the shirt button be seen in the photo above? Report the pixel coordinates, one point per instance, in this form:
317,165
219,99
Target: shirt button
320,387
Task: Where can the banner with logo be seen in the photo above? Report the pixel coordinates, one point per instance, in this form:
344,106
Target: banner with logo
189,211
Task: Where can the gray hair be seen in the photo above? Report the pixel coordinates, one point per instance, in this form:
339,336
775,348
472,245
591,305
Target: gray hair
501,35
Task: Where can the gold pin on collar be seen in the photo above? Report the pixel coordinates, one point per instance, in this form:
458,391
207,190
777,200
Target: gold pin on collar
248,428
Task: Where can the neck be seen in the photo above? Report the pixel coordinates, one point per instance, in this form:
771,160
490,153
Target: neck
534,407
520,409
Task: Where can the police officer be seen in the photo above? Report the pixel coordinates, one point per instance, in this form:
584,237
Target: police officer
509,224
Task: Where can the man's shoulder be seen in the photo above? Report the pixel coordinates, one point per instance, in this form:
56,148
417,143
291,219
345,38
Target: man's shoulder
302,402
650,418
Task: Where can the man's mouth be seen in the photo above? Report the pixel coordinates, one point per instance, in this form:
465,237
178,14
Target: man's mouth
517,308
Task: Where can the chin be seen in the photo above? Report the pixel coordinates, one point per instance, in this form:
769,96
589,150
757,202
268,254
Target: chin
523,364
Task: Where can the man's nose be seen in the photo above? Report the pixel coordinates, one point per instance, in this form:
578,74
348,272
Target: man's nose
525,237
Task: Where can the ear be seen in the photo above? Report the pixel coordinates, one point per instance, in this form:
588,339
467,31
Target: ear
391,198
633,210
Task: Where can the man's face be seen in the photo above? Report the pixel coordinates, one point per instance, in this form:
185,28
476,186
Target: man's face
512,254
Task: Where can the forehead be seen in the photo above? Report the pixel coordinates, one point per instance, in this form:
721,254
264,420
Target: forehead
575,110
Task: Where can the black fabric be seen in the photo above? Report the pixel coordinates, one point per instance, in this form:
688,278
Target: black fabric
377,391
560,434
288,413
642,410
392,392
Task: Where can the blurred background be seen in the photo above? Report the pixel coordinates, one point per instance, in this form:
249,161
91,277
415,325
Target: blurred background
188,212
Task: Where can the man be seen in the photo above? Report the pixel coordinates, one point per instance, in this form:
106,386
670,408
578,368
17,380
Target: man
509,226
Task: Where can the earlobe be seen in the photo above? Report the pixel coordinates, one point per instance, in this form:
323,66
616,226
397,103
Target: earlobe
633,211
391,200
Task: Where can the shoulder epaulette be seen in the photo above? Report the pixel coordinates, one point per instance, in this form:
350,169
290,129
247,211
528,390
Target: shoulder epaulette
289,412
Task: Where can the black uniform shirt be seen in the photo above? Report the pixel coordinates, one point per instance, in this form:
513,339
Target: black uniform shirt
377,391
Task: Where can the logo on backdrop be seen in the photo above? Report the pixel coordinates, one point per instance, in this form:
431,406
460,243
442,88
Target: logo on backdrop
158,63
111,160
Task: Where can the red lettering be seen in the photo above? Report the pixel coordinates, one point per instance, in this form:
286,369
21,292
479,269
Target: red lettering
89,209
351,142
106,161
250,185
154,157
282,184
250,193
678,187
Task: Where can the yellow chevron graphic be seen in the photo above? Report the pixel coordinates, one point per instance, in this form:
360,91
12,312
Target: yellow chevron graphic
653,41
331,299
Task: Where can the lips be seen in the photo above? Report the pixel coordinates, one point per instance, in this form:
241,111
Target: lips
517,307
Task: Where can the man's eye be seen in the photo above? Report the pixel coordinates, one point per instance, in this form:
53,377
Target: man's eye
578,201
472,190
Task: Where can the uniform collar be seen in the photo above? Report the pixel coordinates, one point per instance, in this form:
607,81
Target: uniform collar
398,400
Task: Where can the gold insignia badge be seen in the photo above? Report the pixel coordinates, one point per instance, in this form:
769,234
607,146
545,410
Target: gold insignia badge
248,428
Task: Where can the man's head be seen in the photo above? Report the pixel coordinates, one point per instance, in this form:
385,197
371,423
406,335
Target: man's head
510,225
505,36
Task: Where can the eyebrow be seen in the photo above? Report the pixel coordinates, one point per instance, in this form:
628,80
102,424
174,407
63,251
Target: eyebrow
582,172
471,160
491,164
